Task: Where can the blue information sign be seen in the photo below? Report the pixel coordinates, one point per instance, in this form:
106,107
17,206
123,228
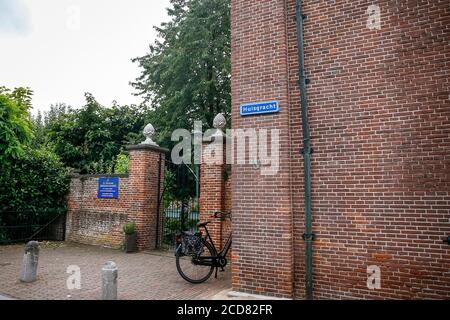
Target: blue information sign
260,108
108,188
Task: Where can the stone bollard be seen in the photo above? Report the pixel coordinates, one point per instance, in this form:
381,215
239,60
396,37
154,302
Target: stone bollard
109,281
30,262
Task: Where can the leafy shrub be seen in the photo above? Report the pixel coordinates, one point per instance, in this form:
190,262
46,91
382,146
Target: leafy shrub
122,163
90,138
35,181
15,126
129,228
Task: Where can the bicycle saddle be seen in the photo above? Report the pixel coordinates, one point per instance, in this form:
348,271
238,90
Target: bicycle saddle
203,224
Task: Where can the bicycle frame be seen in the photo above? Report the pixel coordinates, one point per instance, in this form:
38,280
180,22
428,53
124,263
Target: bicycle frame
219,258
226,248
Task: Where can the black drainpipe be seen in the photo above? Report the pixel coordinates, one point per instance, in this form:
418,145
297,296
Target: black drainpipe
308,236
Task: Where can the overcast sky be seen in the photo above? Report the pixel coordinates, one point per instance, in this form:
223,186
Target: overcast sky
64,48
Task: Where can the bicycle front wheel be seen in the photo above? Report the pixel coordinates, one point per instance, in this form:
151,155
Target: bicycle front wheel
191,269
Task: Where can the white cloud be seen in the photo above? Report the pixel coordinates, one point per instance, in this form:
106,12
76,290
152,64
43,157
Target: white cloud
63,56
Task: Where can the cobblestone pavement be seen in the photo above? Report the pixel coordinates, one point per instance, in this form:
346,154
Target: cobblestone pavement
142,276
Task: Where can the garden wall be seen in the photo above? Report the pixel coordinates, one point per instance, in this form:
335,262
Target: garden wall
97,221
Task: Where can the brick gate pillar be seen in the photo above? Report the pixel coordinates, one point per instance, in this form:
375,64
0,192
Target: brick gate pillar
215,193
147,164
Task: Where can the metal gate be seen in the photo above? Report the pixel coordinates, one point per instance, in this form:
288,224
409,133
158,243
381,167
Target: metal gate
23,226
180,199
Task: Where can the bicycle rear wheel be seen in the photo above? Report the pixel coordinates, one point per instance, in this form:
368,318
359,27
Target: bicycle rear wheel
193,272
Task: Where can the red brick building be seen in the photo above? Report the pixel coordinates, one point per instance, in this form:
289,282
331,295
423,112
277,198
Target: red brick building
379,111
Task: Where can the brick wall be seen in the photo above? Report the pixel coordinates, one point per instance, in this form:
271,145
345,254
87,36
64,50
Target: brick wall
215,191
100,221
96,221
262,208
379,112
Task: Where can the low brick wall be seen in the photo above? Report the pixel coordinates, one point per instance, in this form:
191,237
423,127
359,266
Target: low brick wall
98,221
95,221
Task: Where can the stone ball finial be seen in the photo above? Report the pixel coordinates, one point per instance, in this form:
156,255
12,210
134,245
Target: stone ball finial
220,122
149,132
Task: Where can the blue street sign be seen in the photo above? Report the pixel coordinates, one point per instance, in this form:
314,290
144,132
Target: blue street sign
108,188
260,108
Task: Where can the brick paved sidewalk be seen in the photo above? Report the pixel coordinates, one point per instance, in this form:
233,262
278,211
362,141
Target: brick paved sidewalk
142,276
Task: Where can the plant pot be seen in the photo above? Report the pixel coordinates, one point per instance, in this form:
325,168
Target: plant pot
130,243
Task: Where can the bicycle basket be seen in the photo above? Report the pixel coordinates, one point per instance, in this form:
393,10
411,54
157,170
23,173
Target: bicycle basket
191,245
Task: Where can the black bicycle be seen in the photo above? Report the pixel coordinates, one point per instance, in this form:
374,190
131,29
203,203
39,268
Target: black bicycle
197,256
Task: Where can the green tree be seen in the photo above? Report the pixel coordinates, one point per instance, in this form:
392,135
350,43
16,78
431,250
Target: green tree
56,113
186,74
32,177
38,129
90,139
15,125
